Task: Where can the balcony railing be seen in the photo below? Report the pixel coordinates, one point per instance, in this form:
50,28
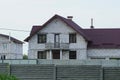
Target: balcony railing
57,46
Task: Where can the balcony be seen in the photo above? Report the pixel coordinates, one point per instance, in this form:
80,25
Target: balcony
57,45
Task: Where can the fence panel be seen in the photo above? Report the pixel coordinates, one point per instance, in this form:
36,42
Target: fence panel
33,72
4,69
111,73
72,72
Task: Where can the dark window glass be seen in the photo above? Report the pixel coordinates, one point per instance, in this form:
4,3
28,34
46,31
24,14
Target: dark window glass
72,38
3,57
42,38
57,41
72,55
56,54
41,54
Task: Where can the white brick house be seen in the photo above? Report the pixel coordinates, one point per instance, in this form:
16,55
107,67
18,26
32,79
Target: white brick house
10,48
61,38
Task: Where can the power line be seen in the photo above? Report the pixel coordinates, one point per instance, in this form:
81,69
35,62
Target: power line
14,30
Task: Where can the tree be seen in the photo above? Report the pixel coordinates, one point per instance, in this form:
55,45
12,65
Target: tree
25,56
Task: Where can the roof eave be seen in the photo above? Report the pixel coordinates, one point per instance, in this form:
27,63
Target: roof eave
27,39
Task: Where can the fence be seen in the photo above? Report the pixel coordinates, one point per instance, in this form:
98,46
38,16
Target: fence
76,72
4,68
19,61
33,72
52,72
103,63
61,72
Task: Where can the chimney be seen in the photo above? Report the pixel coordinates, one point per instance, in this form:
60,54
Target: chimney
92,27
69,17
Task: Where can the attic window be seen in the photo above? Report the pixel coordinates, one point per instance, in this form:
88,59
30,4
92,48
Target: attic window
42,38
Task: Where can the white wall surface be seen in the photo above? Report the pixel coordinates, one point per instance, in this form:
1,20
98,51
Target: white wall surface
103,53
65,55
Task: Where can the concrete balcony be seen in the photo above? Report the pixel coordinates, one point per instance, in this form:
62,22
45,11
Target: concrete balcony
57,45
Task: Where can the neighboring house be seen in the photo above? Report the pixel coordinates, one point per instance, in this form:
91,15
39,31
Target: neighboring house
10,48
61,38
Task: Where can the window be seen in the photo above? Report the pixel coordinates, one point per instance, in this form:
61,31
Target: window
57,41
41,38
41,55
72,38
3,57
72,55
56,54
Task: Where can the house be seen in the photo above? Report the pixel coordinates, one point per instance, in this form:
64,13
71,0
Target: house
10,48
61,38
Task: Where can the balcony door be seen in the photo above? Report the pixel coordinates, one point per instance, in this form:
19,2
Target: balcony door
56,54
57,41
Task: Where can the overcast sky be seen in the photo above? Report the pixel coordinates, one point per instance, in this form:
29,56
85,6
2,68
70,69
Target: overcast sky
23,14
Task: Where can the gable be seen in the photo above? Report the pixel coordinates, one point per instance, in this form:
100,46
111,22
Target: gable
57,26
68,22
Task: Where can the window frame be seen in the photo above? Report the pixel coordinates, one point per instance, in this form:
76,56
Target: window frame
41,55
43,38
72,38
71,56
3,57
56,54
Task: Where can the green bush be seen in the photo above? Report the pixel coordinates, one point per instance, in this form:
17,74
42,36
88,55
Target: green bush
7,77
25,56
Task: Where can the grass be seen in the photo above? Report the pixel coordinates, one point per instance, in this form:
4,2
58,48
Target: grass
7,77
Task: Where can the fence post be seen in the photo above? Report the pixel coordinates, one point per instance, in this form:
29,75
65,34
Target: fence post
37,61
102,73
10,69
54,74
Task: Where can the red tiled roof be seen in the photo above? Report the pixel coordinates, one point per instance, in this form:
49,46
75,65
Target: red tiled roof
70,23
12,39
103,38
